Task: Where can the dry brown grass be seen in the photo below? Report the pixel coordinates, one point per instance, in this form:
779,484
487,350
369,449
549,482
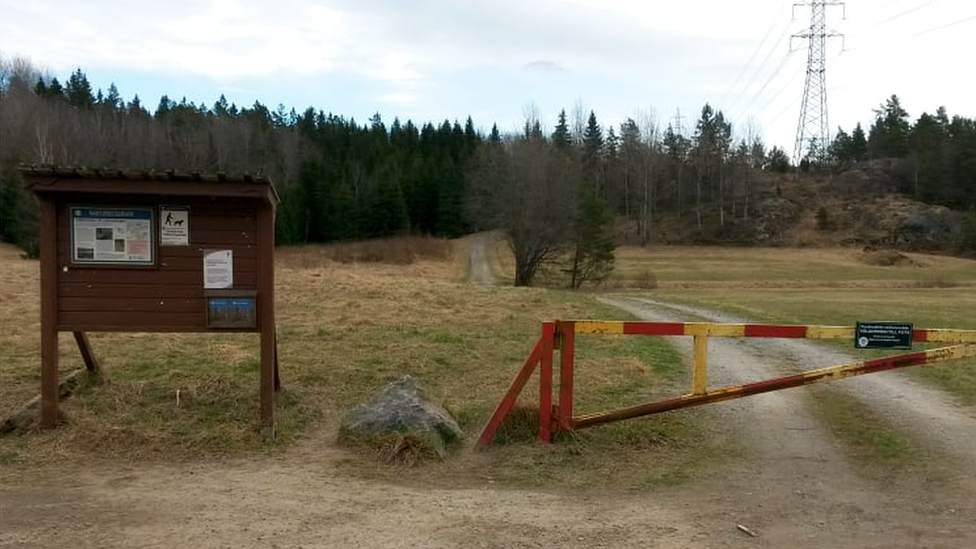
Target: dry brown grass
887,258
406,448
403,250
678,267
344,330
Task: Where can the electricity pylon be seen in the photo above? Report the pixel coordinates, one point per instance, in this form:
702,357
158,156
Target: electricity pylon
813,131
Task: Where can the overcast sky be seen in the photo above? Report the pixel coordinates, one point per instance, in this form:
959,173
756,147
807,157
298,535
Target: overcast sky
430,60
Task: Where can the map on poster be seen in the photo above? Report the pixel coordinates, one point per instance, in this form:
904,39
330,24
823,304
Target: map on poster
112,235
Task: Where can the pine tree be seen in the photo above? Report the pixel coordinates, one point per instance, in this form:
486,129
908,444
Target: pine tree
592,153
561,137
40,88
495,136
113,100
593,254
79,91
54,89
888,136
859,144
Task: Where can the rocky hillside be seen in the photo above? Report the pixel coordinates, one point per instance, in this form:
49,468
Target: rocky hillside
858,207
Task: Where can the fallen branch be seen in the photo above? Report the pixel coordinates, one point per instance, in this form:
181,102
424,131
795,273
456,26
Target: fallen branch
26,415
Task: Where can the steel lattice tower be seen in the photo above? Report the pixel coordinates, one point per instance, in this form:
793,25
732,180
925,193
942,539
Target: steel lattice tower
813,128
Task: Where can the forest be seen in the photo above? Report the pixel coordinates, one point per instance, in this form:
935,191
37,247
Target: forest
343,179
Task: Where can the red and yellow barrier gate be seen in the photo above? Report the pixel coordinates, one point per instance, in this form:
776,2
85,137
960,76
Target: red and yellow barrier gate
561,335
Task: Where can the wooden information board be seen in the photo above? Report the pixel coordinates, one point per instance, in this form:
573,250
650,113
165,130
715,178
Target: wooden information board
154,252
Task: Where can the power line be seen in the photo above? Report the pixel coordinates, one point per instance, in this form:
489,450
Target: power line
946,26
755,52
884,6
906,12
762,65
769,80
789,82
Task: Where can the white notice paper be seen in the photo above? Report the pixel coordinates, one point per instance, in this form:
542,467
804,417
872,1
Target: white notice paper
218,269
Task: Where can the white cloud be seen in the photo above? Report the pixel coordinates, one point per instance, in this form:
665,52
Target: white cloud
493,56
544,66
220,38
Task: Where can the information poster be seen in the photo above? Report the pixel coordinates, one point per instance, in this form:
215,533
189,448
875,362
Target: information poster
112,235
218,269
174,226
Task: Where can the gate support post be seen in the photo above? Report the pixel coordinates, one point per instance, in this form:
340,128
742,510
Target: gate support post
567,333
699,373
545,381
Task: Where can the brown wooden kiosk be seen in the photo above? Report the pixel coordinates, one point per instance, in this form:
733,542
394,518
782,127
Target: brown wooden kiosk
127,251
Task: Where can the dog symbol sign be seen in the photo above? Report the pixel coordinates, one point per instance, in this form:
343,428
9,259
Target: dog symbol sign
174,226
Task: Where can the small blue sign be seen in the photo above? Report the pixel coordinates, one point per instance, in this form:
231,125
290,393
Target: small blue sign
231,312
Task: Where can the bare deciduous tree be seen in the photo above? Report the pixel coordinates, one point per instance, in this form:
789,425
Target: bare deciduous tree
526,188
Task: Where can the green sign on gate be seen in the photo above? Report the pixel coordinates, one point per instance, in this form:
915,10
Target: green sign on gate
883,335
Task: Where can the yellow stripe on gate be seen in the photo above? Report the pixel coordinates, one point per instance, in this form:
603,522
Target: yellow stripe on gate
714,329
598,327
727,330
830,332
950,336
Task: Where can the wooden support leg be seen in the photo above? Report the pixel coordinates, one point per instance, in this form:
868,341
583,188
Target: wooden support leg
49,378
267,383
277,380
511,395
84,346
266,307
545,382
699,373
49,315
566,351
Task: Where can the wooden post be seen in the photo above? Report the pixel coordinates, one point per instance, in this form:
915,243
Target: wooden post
267,318
511,395
84,347
566,351
277,380
49,314
545,381
699,372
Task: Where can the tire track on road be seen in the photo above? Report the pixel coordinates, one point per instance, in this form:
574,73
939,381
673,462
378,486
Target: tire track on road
796,479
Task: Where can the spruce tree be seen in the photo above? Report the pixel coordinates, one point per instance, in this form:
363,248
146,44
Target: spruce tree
561,137
79,91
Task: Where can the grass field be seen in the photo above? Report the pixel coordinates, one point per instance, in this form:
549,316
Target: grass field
345,328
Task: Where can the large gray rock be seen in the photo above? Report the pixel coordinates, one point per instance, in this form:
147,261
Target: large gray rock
403,406
775,215
935,226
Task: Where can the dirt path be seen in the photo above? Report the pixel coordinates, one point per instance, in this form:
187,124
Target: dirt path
479,267
794,487
925,412
798,470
